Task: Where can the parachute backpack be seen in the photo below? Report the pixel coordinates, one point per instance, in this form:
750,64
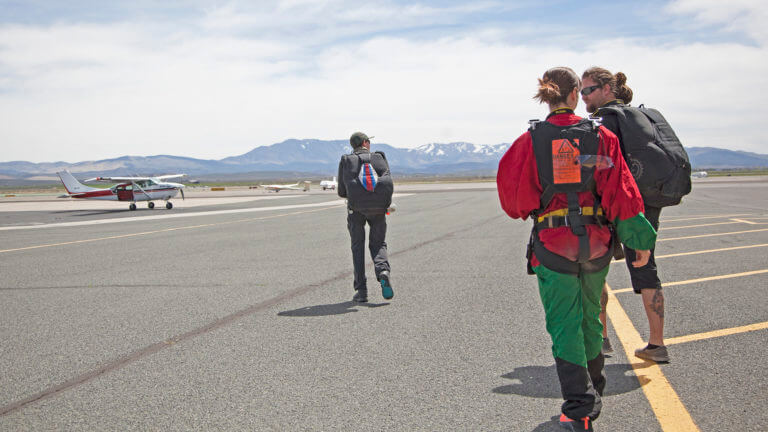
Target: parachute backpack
561,155
367,189
656,157
367,176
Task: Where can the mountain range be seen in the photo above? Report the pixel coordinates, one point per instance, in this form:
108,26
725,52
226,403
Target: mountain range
321,158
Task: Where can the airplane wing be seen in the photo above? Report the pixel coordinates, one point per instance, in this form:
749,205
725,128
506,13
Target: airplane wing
117,179
132,179
169,176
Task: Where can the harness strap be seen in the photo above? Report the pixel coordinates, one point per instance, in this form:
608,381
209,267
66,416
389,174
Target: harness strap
585,211
577,226
560,221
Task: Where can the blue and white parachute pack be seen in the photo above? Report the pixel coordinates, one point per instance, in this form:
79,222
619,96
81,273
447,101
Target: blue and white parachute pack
368,177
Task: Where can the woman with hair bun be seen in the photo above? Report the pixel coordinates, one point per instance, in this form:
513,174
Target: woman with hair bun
567,174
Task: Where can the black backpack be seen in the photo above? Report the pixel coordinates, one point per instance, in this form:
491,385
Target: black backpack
362,196
655,156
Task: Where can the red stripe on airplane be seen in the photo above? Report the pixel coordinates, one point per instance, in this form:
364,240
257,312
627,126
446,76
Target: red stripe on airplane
106,192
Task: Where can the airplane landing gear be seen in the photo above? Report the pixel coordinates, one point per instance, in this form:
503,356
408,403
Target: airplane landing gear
151,205
168,205
132,206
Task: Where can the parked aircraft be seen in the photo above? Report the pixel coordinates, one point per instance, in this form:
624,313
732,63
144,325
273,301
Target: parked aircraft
699,174
302,186
128,189
329,184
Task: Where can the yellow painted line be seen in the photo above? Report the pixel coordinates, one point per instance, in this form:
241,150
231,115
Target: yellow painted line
669,410
704,279
705,217
701,252
163,230
733,221
750,222
712,235
745,221
716,333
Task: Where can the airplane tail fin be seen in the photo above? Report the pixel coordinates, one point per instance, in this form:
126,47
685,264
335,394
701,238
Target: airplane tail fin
71,184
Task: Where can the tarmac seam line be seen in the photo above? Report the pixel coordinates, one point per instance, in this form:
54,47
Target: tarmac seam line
219,323
166,230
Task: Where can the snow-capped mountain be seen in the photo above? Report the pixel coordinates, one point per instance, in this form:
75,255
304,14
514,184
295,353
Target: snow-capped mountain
293,155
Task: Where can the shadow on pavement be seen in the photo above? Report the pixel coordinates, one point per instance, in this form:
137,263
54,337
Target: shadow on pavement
552,425
329,309
541,381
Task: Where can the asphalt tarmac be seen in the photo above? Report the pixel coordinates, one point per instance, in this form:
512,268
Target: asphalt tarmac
235,314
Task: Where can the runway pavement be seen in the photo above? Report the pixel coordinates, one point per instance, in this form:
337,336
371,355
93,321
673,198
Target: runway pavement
241,319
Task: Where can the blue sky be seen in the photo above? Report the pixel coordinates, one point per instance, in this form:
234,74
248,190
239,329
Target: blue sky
86,80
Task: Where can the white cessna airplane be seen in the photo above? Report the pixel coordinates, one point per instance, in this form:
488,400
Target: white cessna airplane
302,186
329,184
128,189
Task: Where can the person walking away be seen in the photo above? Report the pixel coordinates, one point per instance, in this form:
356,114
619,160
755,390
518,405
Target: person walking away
567,174
601,90
365,181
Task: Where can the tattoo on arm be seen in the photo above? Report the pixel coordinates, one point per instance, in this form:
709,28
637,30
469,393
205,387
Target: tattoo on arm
657,303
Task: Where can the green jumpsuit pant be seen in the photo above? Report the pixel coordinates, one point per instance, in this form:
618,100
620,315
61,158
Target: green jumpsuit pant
572,305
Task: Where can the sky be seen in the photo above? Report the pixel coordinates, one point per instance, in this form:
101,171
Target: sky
89,80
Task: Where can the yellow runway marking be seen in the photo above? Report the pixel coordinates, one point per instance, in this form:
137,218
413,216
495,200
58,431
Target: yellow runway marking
701,252
746,222
705,217
165,230
750,222
670,411
733,221
711,235
716,333
704,279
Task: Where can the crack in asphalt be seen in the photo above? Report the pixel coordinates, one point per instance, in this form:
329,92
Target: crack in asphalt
127,359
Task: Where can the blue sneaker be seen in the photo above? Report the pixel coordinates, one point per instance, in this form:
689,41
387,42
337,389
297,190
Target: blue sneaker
386,288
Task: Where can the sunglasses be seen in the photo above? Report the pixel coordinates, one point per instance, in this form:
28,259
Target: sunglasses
588,90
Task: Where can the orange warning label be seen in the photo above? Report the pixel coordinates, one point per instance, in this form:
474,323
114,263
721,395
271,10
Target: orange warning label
565,163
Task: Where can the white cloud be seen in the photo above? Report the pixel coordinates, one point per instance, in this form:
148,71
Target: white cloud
741,16
77,92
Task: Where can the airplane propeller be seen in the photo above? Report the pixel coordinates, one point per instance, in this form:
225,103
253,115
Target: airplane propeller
182,193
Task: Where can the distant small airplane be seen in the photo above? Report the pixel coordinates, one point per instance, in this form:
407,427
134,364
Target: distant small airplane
699,174
329,184
302,186
129,189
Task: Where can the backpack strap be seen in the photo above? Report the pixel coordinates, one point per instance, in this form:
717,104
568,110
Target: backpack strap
365,160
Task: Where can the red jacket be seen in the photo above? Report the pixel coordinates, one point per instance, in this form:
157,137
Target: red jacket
519,192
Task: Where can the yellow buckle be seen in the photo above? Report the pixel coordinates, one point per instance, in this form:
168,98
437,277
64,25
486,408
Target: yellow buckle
586,211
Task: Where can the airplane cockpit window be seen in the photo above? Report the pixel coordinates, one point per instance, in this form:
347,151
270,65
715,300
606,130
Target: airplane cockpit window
141,184
151,183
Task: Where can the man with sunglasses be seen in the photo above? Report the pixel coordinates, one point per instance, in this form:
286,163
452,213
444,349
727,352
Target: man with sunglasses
600,89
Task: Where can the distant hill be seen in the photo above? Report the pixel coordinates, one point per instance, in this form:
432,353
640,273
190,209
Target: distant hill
717,158
321,158
308,156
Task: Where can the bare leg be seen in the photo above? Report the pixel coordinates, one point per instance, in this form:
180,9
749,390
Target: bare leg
653,300
603,304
